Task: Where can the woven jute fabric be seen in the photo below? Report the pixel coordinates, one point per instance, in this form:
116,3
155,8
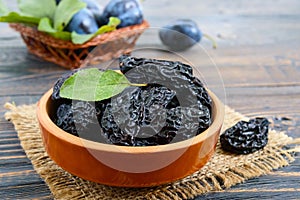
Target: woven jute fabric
222,171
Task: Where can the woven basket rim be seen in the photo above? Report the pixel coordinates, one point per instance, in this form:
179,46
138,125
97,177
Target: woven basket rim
28,31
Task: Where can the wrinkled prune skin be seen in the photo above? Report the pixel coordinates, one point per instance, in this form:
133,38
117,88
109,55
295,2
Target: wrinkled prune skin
174,75
174,106
246,137
166,69
79,118
137,115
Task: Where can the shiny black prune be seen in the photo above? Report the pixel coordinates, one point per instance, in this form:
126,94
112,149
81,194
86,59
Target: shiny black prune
171,74
188,121
153,70
137,115
246,137
173,107
80,119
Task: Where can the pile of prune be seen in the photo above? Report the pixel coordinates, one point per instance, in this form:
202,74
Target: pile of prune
246,137
173,106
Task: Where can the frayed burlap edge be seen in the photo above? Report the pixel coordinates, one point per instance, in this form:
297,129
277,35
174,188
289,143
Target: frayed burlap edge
223,171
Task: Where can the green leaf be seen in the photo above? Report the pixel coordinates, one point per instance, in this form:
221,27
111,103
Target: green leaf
3,8
82,38
94,85
14,17
66,9
45,25
39,9
111,26
64,35
114,21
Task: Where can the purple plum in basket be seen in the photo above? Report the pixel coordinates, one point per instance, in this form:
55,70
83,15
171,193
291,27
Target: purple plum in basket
94,7
83,22
180,34
128,11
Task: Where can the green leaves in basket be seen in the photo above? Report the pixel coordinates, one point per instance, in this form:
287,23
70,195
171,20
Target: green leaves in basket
94,85
14,17
38,9
31,11
45,26
52,18
66,9
3,8
111,26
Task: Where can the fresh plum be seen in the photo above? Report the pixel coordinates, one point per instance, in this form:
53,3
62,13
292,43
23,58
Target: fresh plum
94,7
83,22
180,35
128,11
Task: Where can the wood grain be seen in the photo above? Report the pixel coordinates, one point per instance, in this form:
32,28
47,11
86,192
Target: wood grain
257,58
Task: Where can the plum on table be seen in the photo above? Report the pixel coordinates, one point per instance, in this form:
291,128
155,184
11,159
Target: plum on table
182,34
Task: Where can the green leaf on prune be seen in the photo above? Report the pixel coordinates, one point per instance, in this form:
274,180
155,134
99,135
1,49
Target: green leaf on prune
94,85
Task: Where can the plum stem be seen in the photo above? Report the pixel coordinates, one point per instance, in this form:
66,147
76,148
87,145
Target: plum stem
211,39
138,84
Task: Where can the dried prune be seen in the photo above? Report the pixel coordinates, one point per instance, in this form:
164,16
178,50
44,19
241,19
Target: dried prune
174,106
246,137
142,70
137,114
174,75
80,119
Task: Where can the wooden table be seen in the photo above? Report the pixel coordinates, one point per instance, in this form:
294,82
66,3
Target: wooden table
257,57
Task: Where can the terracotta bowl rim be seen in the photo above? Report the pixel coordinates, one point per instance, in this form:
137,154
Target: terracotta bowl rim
46,122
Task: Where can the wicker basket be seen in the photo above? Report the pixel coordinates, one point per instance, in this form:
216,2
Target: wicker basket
66,54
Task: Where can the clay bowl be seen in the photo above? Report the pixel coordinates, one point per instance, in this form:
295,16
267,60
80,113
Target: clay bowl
128,166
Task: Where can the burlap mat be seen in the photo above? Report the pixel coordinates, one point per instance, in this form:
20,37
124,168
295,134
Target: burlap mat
223,171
